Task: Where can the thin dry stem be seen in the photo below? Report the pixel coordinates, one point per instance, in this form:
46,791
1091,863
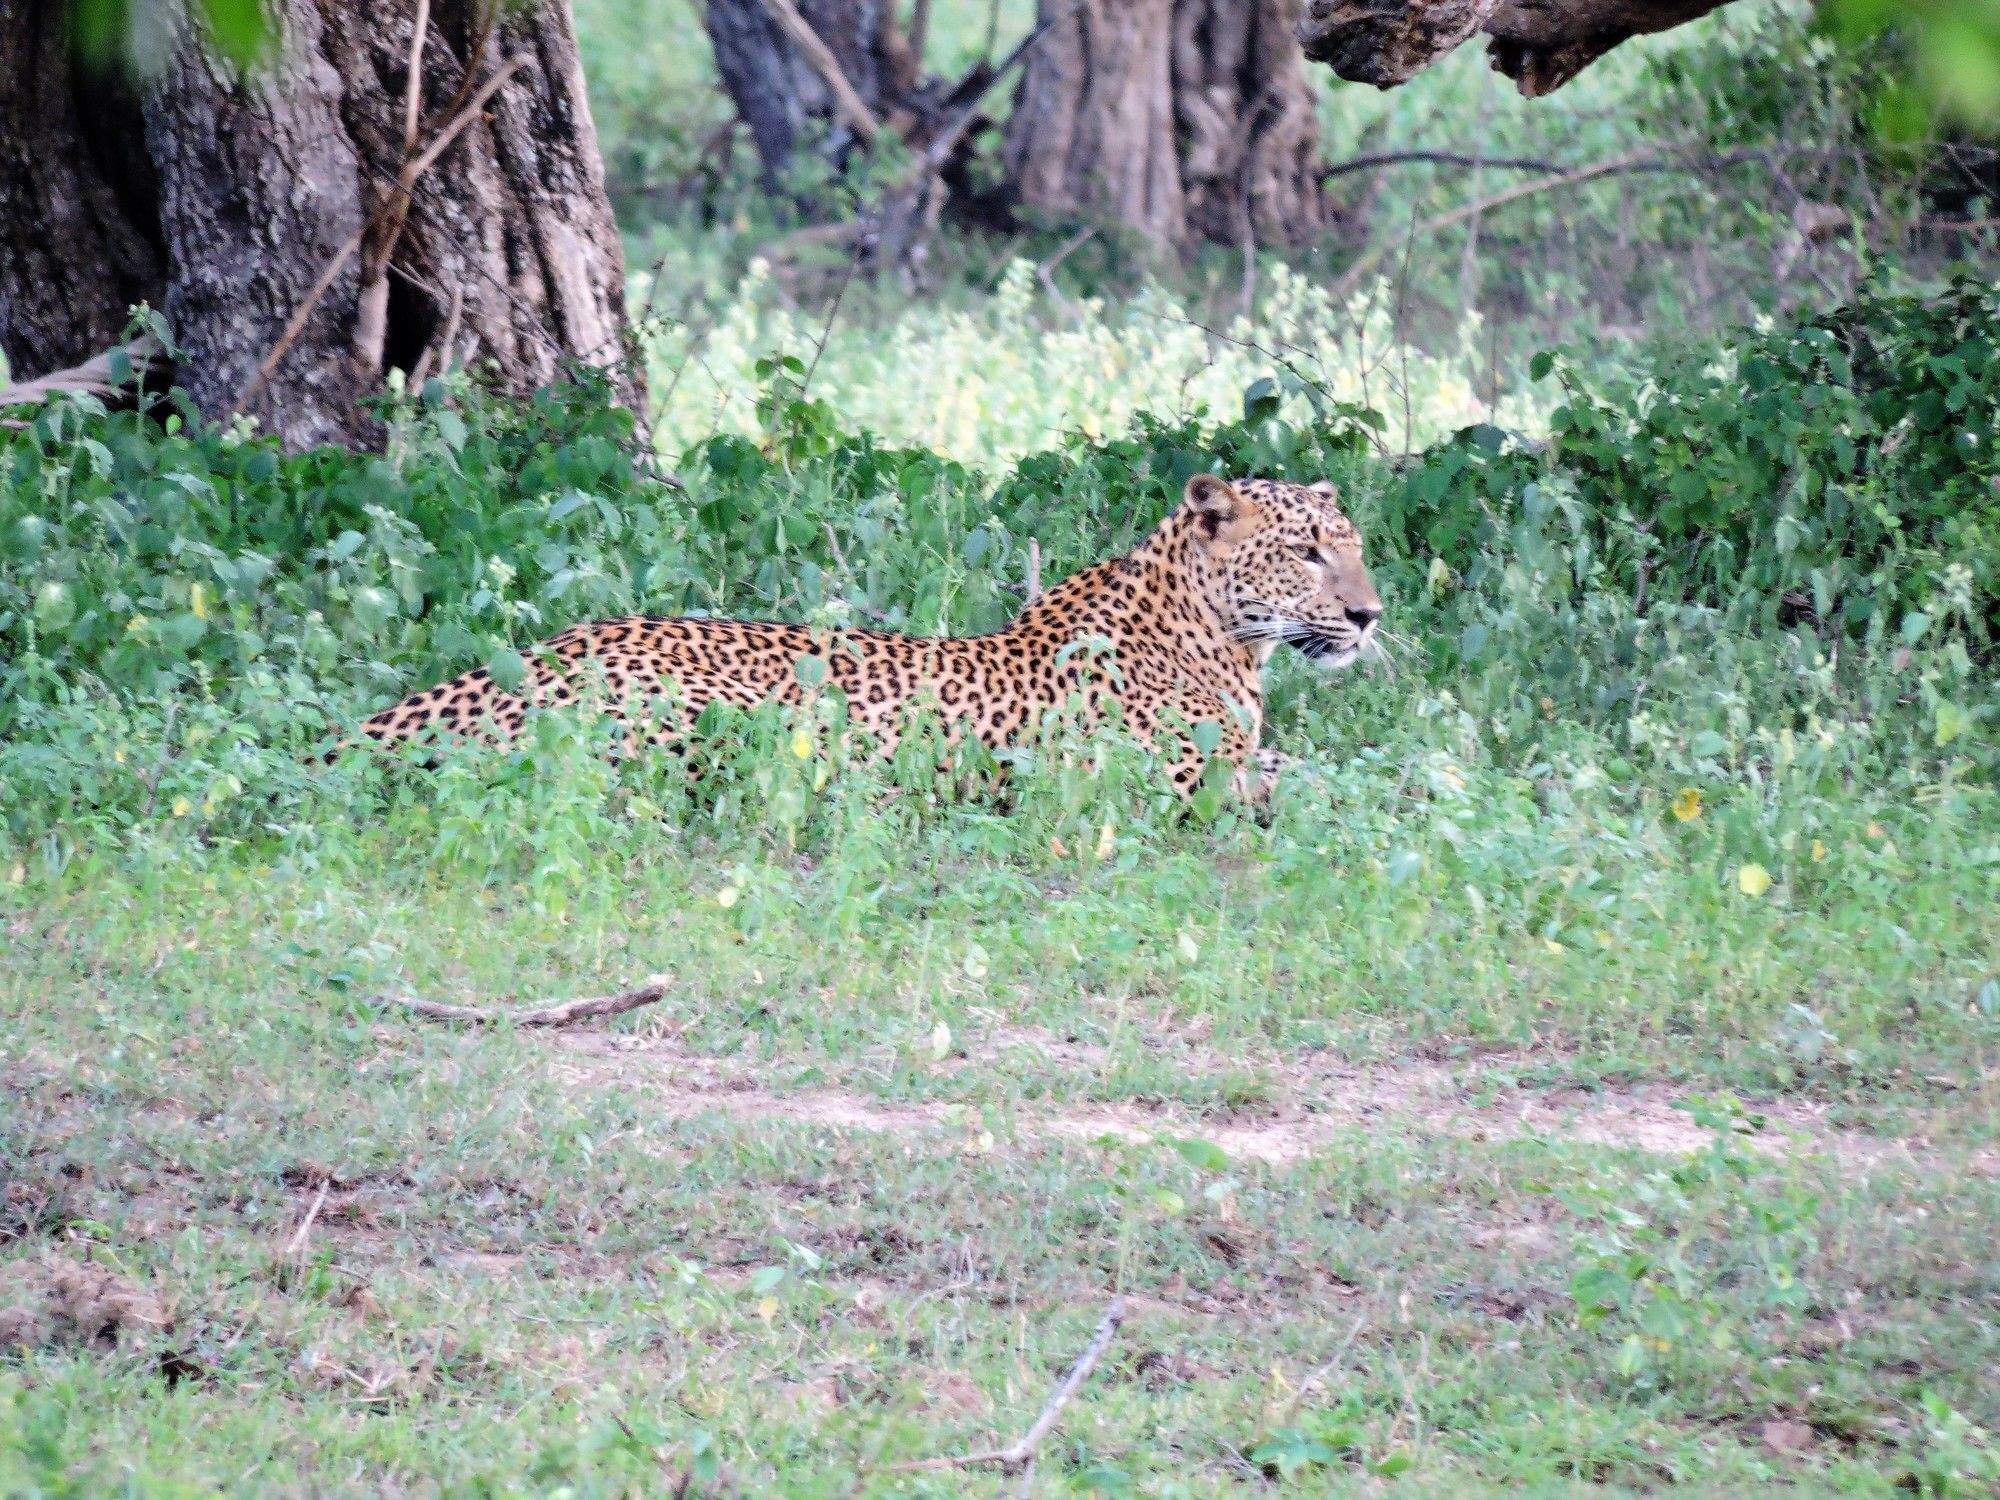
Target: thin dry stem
1018,1456
297,1244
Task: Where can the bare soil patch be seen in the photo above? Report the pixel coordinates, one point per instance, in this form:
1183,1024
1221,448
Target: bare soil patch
1317,1102
59,1300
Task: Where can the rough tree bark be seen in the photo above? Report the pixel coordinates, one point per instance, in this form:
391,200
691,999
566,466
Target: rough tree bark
1093,127
1247,122
782,93
244,205
1540,44
1175,118
79,233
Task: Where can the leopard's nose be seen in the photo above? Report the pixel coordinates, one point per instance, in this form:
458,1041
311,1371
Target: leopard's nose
1361,619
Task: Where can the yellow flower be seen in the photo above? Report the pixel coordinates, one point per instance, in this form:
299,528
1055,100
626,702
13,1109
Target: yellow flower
1753,880
726,897
802,746
181,806
1818,851
1687,804
198,601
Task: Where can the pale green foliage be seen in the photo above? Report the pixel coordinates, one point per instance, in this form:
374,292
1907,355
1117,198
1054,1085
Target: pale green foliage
988,384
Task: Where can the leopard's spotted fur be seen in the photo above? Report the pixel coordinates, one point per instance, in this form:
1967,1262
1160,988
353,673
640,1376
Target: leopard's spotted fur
1191,617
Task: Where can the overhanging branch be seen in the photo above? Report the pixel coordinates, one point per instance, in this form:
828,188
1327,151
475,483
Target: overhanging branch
1540,44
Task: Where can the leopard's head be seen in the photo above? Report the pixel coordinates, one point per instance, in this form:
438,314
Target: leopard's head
1284,565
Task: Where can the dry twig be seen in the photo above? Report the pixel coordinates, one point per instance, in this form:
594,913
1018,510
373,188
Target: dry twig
1046,272
795,26
345,253
1436,158
565,1013
371,318
297,1244
1019,1455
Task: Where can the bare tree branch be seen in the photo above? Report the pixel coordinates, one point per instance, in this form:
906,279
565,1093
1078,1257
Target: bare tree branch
1440,158
345,253
1351,277
1540,44
795,26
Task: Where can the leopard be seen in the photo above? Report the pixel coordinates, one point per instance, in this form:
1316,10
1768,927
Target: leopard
1177,633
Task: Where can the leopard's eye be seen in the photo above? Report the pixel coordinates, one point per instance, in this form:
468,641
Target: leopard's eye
1310,554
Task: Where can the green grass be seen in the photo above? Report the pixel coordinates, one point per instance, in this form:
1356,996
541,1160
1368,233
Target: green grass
854,1194
1417,1119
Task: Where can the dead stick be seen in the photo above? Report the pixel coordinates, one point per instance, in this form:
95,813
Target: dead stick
1034,569
414,97
827,66
345,253
1438,158
371,317
371,314
568,1013
1019,1455
442,341
298,1241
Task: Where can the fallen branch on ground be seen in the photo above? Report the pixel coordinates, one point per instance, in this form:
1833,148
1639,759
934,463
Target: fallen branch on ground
1017,1456
567,1013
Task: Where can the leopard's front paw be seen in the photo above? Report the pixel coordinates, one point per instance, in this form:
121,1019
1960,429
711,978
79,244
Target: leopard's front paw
1269,766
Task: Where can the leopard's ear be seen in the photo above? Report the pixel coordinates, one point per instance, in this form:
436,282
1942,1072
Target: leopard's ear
1327,488
1222,515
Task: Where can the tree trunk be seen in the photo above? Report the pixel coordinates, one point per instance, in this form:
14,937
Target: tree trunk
263,213
781,88
79,220
1540,44
1248,122
1092,134
1175,118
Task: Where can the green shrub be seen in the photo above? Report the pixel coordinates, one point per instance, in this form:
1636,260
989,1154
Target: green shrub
1658,594
1840,471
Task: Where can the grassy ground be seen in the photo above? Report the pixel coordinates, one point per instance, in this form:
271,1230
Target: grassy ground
1356,1152
1586,1075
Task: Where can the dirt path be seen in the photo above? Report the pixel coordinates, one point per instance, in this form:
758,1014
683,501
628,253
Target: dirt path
1317,1103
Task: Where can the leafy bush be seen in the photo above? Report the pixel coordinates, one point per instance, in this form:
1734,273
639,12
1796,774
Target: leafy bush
186,612
1840,471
